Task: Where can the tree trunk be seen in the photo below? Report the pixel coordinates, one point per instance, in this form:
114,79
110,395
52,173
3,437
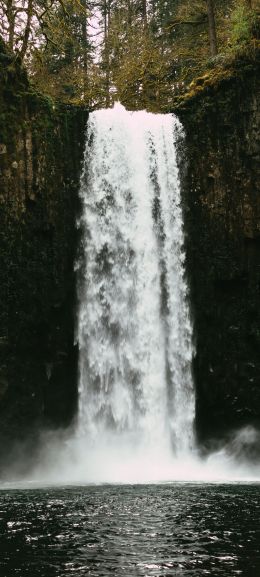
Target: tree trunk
107,59
212,28
144,12
11,23
85,47
27,29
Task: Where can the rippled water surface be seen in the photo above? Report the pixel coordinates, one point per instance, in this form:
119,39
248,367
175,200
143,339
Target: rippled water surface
135,530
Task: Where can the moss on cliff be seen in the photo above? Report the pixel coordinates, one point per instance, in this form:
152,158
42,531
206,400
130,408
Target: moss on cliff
224,70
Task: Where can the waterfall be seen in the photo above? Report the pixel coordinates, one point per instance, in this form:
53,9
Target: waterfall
134,327
136,395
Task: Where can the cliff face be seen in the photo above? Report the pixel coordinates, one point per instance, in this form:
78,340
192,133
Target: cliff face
40,156
222,199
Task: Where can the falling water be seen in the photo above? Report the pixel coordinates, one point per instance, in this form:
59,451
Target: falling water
134,328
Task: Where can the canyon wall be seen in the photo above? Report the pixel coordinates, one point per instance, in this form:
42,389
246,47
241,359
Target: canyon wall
222,200
41,147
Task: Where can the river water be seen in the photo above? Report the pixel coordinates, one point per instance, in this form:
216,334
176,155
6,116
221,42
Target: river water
131,530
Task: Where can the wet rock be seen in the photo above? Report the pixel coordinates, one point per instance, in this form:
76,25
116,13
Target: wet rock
222,202
41,150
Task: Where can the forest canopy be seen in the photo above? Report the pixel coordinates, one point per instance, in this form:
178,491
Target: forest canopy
141,52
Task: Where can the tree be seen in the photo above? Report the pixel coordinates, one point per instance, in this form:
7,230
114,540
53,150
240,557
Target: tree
140,51
60,63
16,24
212,28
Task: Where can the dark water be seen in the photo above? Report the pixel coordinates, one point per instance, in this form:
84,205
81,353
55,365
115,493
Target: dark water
150,530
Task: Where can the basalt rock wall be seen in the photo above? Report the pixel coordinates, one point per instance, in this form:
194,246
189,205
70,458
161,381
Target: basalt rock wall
41,147
222,199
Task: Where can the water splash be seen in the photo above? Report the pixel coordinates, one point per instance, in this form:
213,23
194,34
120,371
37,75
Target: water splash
134,328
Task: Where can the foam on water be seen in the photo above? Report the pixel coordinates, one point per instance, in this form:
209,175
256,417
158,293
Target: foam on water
72,461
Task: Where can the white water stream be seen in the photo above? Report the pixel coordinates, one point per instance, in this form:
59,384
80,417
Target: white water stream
134,329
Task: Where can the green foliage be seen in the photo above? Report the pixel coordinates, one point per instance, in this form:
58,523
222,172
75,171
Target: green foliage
141,52
58,65
242,24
